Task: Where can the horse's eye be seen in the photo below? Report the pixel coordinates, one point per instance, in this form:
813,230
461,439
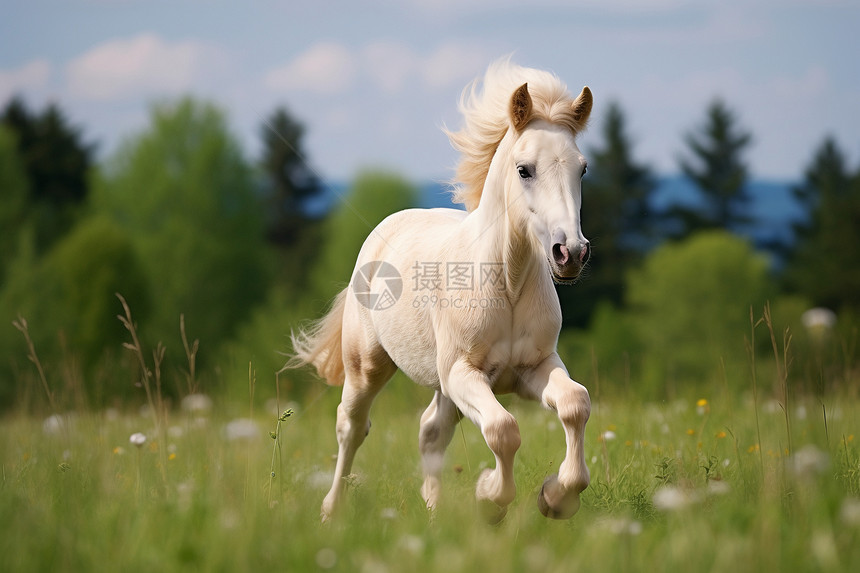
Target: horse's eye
524,172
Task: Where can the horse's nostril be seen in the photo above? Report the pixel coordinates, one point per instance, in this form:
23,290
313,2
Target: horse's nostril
585,253
560,253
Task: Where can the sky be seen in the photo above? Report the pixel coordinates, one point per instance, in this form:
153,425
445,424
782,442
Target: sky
374,81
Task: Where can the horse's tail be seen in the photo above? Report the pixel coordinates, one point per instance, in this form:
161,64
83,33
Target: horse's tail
319,344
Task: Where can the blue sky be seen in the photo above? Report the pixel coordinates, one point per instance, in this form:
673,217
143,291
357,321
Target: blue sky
374,81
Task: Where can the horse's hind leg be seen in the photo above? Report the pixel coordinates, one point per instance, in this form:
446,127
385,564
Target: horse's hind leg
437,428
366,374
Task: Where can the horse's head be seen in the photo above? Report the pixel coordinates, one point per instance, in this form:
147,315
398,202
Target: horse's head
544,172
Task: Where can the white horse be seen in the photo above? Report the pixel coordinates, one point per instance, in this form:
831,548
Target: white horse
482,317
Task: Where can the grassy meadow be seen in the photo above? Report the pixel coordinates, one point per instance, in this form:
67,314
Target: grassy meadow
704,483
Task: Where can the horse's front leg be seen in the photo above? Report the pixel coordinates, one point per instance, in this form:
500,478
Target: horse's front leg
552,386
470,391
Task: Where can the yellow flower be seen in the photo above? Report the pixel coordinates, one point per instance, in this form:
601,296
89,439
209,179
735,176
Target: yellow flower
721,435
702,403
691,432
171,457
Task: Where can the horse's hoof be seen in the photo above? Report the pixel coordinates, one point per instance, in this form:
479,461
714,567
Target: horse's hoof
562,506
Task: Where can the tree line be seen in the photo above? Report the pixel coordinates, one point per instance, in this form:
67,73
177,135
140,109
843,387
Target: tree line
181,222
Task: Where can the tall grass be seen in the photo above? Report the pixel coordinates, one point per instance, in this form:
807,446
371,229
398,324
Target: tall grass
695,483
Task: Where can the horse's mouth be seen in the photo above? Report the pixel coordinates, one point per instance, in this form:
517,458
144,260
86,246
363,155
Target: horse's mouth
566,276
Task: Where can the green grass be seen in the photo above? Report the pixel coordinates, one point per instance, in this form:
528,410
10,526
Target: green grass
85,499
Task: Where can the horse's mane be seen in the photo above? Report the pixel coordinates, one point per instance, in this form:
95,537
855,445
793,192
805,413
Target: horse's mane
486,107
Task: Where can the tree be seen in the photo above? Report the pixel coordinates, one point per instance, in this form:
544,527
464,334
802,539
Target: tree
374,196
289,184
57,164
690,302
289,181
68,298
825,261
185,195
13,197
616,218
717,168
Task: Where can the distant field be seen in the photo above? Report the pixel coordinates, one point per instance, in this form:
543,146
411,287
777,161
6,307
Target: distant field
707,484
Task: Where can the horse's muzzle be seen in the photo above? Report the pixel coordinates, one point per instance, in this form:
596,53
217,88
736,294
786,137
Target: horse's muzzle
566,265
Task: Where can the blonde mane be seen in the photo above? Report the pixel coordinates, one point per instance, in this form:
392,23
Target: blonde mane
486,111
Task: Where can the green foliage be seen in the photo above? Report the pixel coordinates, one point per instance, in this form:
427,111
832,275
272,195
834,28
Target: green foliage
289,181
56,162
825,263
13,197
616,218
718,170
691,304
185,196
68,299
374,196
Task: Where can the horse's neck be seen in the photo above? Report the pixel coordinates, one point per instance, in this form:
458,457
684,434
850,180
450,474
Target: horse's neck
505,237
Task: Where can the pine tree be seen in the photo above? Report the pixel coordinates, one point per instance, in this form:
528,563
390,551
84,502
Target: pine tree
56,162
289,180
717,168
825,265
616,218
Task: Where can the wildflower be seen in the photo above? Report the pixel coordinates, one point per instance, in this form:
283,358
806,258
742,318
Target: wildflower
691,432
849,513
623,526
809,461
55,425
671,498
607,436
326,558
818,320
171,457
119,450
721,435
197,403
718,487
753,448
137,439
702,407
241,429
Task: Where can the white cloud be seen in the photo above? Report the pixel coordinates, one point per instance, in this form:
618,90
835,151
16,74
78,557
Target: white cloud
141,66
390,64
331,68
454,63
325,68
31,76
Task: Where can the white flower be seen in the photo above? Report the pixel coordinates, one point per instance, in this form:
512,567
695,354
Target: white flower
809,461
197,403
55,425
818,319
137,439
241,429
669,498
608,436
849,513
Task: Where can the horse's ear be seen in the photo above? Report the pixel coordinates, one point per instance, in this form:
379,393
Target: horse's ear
582,107
521,107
